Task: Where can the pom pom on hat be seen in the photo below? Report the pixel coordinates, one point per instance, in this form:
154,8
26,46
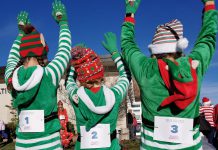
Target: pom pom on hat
182,44
206,101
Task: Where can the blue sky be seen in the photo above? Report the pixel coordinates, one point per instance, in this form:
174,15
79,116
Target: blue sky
89,20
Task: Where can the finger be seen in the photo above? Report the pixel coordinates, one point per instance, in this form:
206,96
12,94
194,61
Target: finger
104,44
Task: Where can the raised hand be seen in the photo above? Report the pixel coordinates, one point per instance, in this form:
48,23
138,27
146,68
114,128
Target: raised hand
132,6
22,20
59,12
204,1
110,43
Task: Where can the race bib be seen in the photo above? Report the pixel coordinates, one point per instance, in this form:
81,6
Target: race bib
61,117
172,129
31,121
97,137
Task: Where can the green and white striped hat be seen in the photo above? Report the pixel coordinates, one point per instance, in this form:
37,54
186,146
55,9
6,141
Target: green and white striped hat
168,38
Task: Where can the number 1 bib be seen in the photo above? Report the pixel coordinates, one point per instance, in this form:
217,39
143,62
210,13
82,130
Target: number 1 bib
172,129
31,121
97,137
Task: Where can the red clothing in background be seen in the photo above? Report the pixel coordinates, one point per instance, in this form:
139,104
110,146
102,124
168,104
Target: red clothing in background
208,113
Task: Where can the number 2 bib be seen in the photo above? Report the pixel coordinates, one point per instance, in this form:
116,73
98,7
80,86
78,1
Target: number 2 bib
97,137
172,129
31,121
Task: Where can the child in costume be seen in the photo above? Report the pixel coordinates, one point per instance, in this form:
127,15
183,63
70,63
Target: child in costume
34,85
96,106
169,82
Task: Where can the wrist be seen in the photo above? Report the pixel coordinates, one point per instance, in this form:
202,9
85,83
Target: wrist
130,15
209,5
210,2
115,54
63,23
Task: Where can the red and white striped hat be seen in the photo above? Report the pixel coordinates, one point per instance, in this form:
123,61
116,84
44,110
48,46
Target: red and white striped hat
168,38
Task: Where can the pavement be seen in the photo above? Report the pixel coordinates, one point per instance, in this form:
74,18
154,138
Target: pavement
206,145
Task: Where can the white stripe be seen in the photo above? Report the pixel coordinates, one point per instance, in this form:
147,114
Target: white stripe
64,44
120,89
56,69
167,146
15,51
117,59
14,57
16,46
116,90
119,64
62,51
52,75
38,139
58,149
39,147
65,34
63,57
65,38
18,41
60,65
122,68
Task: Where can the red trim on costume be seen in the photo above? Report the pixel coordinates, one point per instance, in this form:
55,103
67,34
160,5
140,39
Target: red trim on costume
27,37
9,80
182,93
95,89
209,7
30,43
130,19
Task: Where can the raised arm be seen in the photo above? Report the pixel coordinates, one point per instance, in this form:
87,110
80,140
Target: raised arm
121,87
58,65
71,86
14,56
131,53
205,45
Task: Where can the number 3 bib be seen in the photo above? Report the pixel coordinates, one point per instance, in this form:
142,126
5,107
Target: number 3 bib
97,137
172,129
31,121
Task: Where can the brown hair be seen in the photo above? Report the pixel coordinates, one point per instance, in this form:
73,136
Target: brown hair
164,55
89,84
27,28
40,60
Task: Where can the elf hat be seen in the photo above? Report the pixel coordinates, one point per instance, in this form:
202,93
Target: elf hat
206,101
87,64
168,38
33,44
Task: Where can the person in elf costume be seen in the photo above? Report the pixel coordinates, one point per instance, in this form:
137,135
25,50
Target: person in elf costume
170,82
96,106
34,85
62,115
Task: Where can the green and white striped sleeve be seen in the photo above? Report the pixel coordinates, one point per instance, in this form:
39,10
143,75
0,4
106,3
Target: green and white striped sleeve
71,85
13,58
59,64
121,87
